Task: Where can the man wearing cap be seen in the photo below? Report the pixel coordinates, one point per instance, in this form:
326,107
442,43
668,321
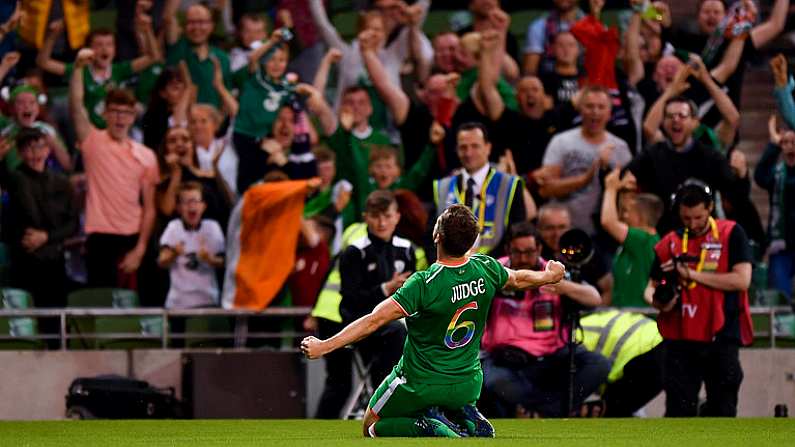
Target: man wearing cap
25,107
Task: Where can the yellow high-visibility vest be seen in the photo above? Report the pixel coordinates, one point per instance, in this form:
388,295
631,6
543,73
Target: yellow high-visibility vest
620,336
329,299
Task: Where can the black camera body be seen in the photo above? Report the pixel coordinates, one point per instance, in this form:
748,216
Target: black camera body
670,286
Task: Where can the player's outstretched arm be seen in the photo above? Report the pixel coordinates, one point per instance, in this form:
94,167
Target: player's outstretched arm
385,312
528,279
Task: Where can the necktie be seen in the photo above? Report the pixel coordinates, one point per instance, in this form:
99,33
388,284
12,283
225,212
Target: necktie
469,197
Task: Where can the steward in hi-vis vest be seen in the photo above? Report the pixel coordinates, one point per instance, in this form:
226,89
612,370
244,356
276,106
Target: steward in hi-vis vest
633,344
495,198
493,213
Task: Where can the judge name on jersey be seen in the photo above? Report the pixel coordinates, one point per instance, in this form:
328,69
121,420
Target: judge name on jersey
468,289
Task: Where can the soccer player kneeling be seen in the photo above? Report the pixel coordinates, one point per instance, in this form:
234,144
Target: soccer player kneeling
433,389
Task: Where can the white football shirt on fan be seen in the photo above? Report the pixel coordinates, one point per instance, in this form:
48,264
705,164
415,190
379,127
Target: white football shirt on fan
193,282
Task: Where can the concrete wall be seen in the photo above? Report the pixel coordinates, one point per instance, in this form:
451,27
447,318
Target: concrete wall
33,384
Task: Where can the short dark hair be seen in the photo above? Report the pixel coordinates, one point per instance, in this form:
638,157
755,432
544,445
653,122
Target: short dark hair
99,32
458,230
379,201
252,17
120,96
693,192
28,136
650,207
354,89
682,99
472,125
191,185
523,229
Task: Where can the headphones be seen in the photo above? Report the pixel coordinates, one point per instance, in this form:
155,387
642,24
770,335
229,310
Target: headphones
691,184
9,93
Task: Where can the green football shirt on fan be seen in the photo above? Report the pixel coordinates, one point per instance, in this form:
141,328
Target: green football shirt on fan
95,91
447,308
631,267
260,100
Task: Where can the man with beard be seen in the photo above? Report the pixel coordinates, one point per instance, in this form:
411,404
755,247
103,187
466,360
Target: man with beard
699,282
661,166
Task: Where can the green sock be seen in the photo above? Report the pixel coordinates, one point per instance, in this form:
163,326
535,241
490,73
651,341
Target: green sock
409,427
464,423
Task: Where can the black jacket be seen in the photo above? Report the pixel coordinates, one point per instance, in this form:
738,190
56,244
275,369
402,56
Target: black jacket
660,170
764,177
43,201
364,266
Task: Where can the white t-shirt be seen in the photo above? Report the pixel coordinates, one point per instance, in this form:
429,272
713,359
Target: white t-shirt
575,155
227,163
193,282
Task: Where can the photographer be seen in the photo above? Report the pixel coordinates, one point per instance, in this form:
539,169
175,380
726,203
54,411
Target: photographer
526,340
699,282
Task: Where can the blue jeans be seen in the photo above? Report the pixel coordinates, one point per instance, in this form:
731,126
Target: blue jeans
781,270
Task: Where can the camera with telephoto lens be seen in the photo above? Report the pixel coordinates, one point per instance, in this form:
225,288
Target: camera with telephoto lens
576,250
670,287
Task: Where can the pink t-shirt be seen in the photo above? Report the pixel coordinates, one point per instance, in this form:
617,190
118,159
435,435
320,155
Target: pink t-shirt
116,173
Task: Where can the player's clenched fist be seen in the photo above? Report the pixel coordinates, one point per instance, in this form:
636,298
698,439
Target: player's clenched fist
555,270
311,347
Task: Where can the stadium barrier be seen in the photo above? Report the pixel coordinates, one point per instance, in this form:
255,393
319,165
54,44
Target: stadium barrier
154,323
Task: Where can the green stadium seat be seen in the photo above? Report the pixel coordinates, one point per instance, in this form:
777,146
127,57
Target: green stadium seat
203,326
112,298
20,327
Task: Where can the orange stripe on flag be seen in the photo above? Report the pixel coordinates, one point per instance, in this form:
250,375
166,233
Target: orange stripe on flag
270,224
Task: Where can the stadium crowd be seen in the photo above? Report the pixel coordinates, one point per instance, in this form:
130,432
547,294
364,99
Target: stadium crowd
245,154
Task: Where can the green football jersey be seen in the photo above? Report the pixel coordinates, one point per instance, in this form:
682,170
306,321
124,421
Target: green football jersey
260,101
94,92
447,310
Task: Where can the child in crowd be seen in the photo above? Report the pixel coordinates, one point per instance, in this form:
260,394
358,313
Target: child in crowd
251,30
633,226
192,248
776,174
40,215
24,100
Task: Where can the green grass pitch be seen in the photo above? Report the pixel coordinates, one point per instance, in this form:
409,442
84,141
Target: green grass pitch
514,433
